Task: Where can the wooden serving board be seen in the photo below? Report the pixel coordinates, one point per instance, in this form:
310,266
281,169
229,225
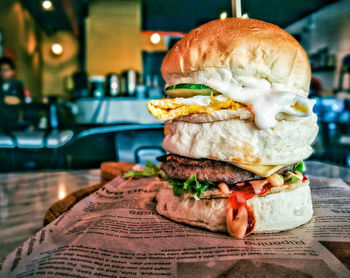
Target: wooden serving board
109,170
65,204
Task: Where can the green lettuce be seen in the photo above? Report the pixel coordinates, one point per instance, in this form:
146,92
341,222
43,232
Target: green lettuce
151,170
292,179
188,86
191,185
298,167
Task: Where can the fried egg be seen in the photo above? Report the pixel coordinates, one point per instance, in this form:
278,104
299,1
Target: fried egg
171,108
267,107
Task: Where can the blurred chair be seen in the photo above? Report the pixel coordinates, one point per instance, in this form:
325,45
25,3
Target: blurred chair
38,149
135,143
62,149
29,139
6,141
7,146
57,139
144,154
27,143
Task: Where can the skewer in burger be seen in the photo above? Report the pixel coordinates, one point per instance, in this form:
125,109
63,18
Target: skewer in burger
238,124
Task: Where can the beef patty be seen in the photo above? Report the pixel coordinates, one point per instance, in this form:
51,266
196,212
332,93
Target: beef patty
181,168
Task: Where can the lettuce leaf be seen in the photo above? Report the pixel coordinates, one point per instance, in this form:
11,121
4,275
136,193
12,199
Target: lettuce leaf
292,179
298,167
150,170
188,86
191,185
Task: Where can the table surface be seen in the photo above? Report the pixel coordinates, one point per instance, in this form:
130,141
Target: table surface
25,197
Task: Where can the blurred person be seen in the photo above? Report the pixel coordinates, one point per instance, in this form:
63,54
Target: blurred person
11,89
11,93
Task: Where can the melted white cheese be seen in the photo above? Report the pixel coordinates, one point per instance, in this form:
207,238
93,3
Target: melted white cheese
267,104
200,100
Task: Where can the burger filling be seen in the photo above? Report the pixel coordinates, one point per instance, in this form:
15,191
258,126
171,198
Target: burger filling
187,99
171,108
182,168
206,179
197,176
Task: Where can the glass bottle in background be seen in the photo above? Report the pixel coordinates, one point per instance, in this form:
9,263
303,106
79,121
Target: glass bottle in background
112,85
130,79
97,86
131,82
141,89
78,85
155,91
148,83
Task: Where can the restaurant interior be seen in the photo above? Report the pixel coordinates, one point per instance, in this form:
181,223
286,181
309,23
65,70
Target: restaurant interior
75,81
82,72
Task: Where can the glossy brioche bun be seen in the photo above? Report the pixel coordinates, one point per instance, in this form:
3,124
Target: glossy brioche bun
273,212
246,52
238,140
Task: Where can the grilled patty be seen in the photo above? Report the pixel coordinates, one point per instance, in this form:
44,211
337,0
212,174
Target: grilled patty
181,168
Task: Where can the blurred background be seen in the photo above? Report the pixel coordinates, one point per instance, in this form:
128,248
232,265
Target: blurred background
76,76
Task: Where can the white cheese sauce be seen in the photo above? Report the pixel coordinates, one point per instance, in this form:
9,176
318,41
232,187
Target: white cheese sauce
266,104
200,100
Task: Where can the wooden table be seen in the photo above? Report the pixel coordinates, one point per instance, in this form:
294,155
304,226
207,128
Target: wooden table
25,198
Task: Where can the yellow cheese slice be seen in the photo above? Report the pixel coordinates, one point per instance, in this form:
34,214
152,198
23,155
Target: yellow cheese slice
261,170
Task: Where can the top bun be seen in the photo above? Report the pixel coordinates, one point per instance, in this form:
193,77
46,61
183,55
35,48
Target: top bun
248,52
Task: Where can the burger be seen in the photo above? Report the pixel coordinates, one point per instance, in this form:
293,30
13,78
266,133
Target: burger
238,125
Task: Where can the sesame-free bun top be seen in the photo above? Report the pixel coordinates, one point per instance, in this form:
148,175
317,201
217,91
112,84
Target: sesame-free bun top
246,52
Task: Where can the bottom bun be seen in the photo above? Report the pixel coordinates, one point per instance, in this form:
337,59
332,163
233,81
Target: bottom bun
273,212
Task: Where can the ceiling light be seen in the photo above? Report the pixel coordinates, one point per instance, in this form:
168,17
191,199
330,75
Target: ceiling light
155,38
47,5
223,15
57,49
